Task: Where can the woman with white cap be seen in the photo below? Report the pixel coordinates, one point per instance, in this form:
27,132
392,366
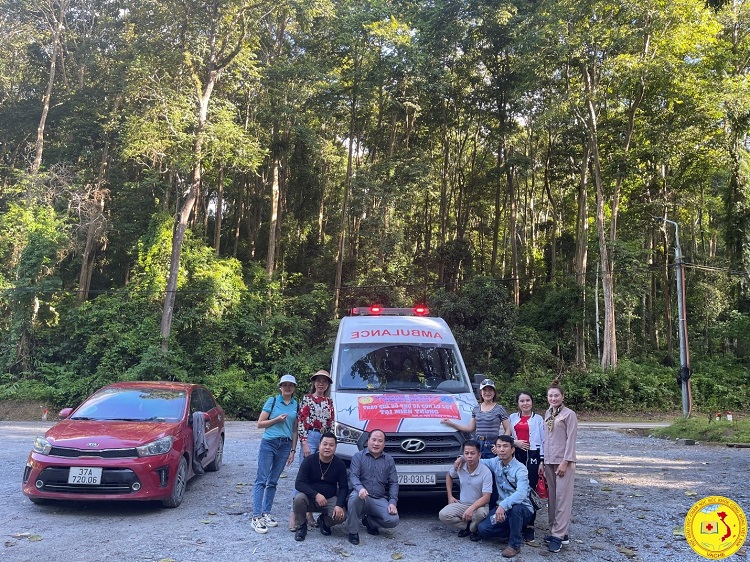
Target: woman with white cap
315,418
278,420
488,420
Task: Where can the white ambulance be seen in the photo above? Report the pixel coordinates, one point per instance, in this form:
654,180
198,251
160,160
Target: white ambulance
401,371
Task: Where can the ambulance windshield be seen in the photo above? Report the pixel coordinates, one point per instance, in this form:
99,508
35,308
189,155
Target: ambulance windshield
401,368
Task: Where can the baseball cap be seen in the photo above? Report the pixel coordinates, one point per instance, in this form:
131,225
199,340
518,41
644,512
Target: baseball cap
485,383
288,378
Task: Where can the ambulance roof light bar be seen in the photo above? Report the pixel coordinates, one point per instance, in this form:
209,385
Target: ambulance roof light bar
377,310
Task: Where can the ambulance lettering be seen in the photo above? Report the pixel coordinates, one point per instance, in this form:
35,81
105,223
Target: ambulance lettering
379,333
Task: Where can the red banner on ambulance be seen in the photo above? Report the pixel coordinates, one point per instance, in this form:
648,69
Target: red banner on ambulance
402,406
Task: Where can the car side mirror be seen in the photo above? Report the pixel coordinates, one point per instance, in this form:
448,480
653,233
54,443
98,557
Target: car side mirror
65,413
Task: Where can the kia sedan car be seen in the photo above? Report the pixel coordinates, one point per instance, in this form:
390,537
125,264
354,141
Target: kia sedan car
128,441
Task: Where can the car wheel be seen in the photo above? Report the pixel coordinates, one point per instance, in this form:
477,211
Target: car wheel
178,489
215,464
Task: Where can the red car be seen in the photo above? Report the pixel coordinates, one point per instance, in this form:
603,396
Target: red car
128,441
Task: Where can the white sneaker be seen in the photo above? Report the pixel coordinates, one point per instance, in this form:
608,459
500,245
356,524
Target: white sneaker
259,524
270,520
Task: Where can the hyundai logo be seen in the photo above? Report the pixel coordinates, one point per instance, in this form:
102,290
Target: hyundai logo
413,445
92,444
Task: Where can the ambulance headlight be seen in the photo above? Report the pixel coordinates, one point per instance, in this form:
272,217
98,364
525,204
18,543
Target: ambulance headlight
346,434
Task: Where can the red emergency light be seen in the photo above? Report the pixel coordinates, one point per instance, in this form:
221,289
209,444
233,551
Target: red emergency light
377,310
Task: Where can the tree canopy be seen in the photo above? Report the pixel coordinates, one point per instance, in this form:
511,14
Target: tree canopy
199,189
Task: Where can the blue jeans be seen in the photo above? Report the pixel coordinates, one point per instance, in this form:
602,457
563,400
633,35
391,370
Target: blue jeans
516,518
272,457
486,451
313,441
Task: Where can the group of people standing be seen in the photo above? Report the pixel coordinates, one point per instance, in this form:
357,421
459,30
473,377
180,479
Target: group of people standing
500,465
504,461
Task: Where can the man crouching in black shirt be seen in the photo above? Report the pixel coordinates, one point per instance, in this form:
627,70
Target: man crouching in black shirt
322,485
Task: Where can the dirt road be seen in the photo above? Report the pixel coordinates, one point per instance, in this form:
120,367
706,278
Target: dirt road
631,493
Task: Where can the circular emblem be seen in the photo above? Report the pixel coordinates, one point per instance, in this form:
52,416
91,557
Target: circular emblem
715,527
365,400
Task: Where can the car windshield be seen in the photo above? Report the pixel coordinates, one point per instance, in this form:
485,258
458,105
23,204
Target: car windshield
401,368
133,404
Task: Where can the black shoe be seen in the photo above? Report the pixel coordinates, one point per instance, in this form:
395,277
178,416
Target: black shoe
324,529
475,537
528,534
371,530
354,538
301,532
464,532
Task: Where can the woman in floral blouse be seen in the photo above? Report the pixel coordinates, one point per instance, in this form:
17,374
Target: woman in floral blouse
316,413
315,417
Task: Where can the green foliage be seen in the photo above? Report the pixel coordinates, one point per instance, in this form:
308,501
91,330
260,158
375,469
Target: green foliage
482,319
735,331
242,397
720,384
37,241
631,386
702,429
553,312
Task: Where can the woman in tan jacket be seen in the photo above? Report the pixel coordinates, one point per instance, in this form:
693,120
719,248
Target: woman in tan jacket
560,433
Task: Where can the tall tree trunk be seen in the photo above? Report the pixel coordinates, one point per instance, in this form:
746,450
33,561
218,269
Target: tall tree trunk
443,227
512,221
345,201
96,227
272,226
609,335
667,292
178,235
581,257
321,205
56,22
219,211
97,221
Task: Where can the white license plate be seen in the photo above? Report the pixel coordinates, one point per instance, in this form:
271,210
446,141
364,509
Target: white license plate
90,475
416,479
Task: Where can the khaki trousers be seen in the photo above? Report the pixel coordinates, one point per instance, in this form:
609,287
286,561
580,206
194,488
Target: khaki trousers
560,498
453,515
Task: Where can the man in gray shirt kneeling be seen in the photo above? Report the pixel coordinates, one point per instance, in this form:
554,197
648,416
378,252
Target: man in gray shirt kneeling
374,484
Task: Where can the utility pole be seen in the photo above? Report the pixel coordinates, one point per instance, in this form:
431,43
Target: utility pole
684,375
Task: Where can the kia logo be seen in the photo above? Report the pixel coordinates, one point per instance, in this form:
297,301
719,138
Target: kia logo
413,445
92,444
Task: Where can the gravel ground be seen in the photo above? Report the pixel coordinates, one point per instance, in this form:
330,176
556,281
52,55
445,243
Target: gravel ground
631,493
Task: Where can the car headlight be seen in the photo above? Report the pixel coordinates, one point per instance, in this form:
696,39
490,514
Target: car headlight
346,434
41,445
158,447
